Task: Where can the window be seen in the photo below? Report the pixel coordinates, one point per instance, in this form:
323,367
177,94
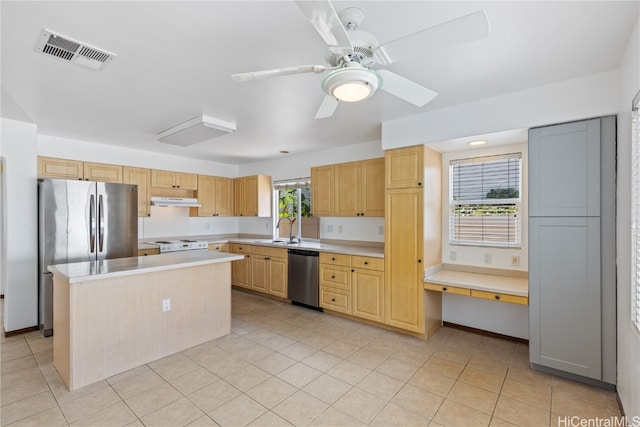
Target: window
635,212
292,204
485,201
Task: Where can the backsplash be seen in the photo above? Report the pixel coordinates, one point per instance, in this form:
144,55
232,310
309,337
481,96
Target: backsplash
344,228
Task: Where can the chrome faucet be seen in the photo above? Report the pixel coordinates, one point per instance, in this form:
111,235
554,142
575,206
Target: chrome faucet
290,227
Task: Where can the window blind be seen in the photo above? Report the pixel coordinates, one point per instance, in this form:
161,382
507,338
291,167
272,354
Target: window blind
291,184
485,201
635,211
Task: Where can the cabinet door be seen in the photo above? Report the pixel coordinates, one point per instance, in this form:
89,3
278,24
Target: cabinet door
404,167
241,272
348,194
102,172
322,190
564,169
186,181
141,178
372,192
368,294
403,252
162,179
259,273
564,294
49,167
238,197
278,270
223,196
206,196
250,196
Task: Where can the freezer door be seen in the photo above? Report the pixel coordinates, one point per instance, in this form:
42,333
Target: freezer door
117,220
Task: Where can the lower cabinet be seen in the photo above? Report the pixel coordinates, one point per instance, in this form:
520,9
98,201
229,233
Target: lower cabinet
352,285
264,269
151,251
219,247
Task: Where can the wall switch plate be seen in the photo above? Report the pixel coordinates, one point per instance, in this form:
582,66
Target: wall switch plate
381,230
487,259
330,228
453,255
515,260
166,304
339,229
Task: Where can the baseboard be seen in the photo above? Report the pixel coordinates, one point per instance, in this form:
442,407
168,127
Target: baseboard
8,334
483,332
572,377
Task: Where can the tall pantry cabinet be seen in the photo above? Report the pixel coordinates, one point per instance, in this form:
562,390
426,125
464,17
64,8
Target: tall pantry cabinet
412,237
572,276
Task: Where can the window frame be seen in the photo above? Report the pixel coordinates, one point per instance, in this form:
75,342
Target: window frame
635,212
298,184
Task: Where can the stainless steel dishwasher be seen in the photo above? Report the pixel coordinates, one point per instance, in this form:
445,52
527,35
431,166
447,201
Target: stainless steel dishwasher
303,278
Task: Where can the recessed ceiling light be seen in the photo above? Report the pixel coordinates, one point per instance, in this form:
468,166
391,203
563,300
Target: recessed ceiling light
479,142
284,151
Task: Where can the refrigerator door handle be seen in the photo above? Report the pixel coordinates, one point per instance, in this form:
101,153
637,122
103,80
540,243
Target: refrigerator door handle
92,223
100,223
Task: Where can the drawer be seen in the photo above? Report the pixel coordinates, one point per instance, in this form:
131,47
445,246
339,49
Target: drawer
145,252
368,263
335,299
448,289
335,276
269,252
335,259
514,299
241,248
219,247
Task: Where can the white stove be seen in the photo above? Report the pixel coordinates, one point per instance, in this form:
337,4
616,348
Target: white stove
180,245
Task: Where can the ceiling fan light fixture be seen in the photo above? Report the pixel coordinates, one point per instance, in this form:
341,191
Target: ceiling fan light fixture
351,84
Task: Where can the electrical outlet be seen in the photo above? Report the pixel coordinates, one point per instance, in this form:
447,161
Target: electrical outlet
487,258
207,226
515,260
381,230
453,255
166,304
330,228
339,229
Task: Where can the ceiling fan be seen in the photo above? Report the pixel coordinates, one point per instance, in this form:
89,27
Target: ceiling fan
352,53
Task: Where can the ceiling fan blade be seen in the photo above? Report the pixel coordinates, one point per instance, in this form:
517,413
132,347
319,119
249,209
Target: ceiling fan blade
328,106
451,33
265,74
325,20
406,89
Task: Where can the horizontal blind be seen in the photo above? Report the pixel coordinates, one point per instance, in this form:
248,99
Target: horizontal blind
635,212
290,184
485,201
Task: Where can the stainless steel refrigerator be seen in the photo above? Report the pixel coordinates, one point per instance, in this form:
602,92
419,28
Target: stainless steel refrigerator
81,221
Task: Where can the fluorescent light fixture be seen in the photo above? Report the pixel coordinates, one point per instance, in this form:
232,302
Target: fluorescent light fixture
479,142
352,83
198,129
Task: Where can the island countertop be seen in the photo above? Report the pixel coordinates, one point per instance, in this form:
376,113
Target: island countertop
95,270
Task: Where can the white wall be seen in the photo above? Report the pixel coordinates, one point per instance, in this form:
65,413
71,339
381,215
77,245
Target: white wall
19,142
584,97
474,255
628,336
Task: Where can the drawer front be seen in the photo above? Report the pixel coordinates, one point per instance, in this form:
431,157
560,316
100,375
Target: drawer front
219,247
269,251
448,289
241,248
514,299
144,252
335,299
368,263
335,276
335,259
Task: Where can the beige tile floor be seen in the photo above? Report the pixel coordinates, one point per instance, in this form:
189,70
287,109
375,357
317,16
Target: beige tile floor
284,365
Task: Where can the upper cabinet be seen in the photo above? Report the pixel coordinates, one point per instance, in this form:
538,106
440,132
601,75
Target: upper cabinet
215,195
169,179
404,167
102,172
252,196
49,167
142,178
349,189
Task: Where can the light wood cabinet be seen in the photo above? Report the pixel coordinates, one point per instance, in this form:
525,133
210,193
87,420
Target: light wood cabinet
278,271
322,190
102,172
141,178
170,179
253,196
448,289
259,273
494,296
349,189
223,191
145,252
264,269
413,237
219,247
368,294
49,167
404,167
241,269
215,195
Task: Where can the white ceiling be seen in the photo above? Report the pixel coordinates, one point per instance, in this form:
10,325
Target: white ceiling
174,59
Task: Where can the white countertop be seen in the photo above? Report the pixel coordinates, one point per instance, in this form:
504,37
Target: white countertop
96,270
371,251
482,282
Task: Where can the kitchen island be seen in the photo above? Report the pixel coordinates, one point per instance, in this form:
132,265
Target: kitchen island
114,315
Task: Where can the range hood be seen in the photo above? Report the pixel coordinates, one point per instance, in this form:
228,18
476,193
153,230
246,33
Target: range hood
186,202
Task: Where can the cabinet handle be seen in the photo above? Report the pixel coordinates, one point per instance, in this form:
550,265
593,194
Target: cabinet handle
419,184
366,263
145,254
267,258
362,214
79,179
419,261
333,277
333,299
333,259
497,296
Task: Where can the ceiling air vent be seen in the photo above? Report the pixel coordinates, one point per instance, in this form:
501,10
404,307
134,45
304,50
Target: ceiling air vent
73,51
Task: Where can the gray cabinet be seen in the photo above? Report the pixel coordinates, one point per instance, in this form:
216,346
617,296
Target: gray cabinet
572,249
